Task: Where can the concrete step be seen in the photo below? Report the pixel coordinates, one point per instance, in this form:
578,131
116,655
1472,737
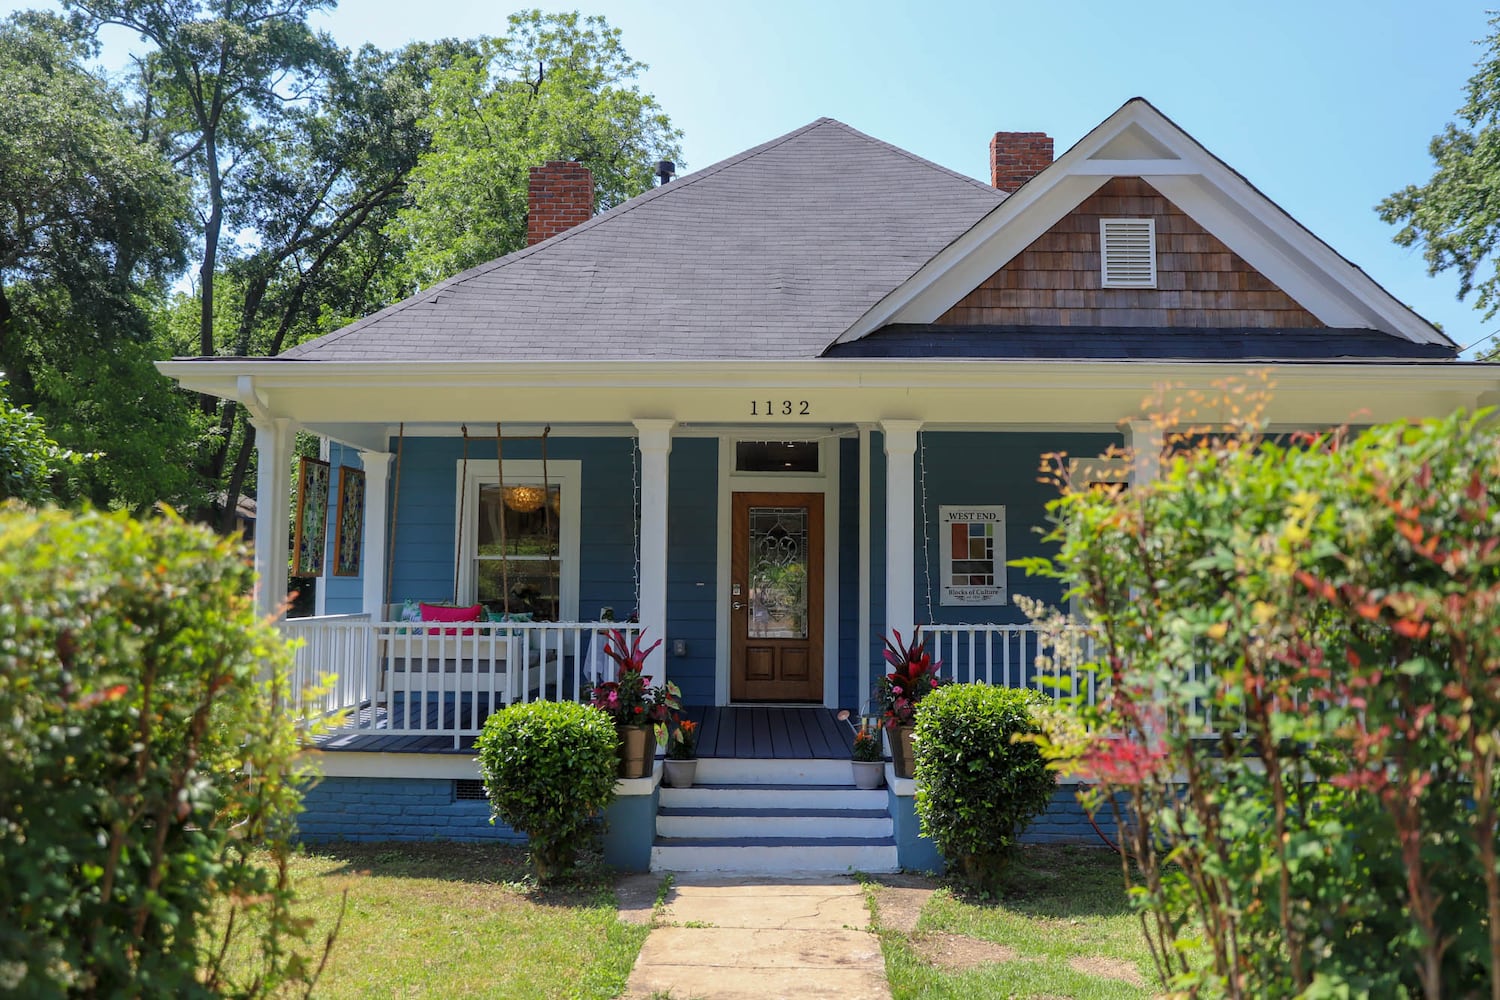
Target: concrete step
710,823
760,771
705,795
775,854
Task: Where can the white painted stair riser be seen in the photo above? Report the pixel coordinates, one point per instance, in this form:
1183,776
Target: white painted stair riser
751,771
751,825
758,797
756,859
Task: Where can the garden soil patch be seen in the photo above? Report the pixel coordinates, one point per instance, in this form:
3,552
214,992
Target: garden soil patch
1107,968
958,953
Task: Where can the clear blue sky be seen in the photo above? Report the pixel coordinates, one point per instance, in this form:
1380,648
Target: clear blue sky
1326,105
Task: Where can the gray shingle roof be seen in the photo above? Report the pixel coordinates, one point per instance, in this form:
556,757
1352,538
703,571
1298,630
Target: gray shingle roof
769,254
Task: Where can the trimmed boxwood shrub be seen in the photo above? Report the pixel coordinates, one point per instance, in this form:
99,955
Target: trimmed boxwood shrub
549,769
140,757
977,785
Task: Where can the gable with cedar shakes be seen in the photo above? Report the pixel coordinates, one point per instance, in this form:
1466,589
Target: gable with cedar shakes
1200,282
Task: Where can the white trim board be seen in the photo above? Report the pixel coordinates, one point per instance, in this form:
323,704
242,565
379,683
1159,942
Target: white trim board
564,473
826,482
1139,141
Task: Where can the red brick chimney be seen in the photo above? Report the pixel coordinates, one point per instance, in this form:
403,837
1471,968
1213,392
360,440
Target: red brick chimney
1017,157
560,196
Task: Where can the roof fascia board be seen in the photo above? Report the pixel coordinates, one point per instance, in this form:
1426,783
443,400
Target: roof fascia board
420,377
1232,211
1322,281
1275,258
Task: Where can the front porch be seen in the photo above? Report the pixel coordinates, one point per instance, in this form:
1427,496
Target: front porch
403,687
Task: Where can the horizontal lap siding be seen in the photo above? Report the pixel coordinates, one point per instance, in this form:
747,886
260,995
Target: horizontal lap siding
846,658
983,469
1201,283
424,556
692,566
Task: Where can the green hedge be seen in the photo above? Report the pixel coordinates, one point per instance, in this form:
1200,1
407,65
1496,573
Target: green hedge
977,786
550,769
139,757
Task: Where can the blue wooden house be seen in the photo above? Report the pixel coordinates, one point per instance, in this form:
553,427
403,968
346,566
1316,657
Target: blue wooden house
772,410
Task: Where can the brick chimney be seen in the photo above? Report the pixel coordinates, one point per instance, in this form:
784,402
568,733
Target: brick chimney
1017,157
560,196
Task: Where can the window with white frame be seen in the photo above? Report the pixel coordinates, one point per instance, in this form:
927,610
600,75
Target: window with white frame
1127,253
521,534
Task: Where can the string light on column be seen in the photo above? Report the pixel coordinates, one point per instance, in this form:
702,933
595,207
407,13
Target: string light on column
926,539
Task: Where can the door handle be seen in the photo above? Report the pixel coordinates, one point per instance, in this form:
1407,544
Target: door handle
736,605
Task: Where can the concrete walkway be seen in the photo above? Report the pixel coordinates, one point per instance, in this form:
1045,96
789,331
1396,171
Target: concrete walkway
730,937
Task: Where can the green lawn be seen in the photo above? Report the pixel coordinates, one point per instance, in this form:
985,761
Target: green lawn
1063,906
454,920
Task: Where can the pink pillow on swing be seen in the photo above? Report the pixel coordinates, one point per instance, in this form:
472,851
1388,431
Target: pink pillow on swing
442,613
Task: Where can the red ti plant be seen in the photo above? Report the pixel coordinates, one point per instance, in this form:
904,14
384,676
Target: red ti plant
629,699
913,676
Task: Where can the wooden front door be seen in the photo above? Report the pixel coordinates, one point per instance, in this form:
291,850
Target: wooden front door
776,597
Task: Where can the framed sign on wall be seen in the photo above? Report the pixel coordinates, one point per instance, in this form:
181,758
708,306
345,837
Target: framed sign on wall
973,555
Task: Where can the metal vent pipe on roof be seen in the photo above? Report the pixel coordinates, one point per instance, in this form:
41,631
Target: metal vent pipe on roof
665,169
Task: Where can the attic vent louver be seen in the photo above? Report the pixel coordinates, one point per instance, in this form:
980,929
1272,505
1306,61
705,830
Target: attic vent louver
1128,253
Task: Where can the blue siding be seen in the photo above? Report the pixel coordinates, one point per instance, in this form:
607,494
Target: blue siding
990,468
692,565
846,658
849,695
424,554
344,594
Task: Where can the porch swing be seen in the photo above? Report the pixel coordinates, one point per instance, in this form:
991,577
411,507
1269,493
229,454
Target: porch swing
523,499
509,652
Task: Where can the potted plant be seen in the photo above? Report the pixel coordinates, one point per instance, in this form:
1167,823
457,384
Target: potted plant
912,677
636,707
865,756
681,765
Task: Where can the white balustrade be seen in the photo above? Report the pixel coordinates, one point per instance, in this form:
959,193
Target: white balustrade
1006,655
441,678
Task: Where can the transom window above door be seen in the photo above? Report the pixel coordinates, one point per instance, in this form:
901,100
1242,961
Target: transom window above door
776,456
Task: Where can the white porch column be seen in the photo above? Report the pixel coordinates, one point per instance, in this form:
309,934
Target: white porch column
863,645
377,478
655,438
273,473
900,524
1144,439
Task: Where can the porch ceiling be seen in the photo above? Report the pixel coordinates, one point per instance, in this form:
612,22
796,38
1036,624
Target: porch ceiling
358,402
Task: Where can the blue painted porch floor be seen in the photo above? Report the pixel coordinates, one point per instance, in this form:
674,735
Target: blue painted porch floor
741,732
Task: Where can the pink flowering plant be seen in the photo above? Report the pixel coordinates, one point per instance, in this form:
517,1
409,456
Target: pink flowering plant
629,699
913,676
1296,714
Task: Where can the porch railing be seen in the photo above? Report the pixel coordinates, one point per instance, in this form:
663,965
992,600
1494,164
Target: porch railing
441,679
1006,655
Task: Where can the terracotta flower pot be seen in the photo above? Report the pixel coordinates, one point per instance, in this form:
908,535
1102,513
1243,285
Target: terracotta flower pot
902,755
637,750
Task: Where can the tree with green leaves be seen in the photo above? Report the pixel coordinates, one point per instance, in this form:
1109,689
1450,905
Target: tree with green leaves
555,87
29,459
1455,216
91,231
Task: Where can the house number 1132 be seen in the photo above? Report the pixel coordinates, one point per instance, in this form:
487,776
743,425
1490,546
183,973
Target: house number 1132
780,407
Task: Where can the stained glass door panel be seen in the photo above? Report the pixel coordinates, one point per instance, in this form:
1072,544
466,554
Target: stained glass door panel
776,599
778,572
